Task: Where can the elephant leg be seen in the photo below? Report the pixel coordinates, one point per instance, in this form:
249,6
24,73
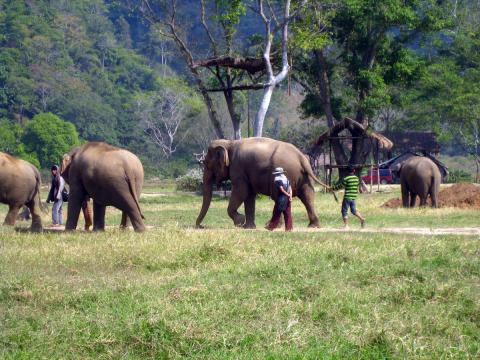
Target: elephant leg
98,216
250,212
137,221
239,195
413,199
433,196
87,213
75,200
423,200
307,197
130,211
34,207
405,195
11,217
125,223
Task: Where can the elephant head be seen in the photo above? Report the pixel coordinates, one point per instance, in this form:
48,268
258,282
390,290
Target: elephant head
397,168
215,170
66,161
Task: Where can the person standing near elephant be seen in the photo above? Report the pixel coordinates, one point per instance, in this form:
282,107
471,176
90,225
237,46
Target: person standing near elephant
350,183
55,195
283,201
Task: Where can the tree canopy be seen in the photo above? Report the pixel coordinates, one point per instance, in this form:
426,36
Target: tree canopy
388,63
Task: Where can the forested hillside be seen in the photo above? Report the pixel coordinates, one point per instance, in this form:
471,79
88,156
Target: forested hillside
83,63
117,74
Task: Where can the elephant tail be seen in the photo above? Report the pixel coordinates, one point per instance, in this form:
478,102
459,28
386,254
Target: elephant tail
38,184
312,175
132,191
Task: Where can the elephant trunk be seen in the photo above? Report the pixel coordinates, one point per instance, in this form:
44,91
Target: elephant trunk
207,197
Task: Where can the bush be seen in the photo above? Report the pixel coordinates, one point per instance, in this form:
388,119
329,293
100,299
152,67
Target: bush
49,137
456,176
191,181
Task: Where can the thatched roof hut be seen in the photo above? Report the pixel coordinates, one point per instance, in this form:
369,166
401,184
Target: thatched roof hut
356,130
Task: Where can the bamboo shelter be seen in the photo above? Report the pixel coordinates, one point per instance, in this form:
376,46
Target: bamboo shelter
360,139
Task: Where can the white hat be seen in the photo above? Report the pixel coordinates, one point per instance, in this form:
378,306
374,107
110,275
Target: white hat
278,171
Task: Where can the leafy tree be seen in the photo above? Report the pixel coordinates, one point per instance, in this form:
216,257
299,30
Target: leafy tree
446,97
356,53
10,134
49,137
10,142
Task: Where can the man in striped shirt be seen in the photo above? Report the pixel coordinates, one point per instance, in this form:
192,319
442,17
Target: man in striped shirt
350,183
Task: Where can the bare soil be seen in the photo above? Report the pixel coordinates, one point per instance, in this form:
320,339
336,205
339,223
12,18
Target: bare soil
462,195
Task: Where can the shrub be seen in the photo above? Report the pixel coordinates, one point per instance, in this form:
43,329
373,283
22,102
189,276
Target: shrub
191,181
49,137
457,175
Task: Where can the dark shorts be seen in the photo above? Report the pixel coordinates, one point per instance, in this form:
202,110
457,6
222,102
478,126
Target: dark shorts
347,203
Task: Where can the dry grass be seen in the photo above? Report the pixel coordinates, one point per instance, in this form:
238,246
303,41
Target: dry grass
177,292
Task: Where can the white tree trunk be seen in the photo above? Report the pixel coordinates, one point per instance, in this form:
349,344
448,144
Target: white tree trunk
262,111
272,79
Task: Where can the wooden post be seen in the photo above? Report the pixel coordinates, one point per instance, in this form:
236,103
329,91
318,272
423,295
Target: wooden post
330,159
248,113
378,167
371,178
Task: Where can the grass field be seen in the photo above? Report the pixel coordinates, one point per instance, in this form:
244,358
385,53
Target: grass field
177,292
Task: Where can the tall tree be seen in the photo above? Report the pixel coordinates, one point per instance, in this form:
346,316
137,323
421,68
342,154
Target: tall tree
370,48
269,16
226,15
446,98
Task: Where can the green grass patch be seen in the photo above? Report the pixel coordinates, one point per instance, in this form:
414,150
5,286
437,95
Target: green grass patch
225,293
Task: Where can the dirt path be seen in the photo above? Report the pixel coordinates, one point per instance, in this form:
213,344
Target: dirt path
388,230
401,230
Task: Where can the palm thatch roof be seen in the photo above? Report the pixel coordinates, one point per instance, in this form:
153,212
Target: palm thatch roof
357,130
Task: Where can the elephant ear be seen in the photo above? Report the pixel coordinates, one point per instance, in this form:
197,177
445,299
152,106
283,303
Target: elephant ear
66,161
221,155
397,167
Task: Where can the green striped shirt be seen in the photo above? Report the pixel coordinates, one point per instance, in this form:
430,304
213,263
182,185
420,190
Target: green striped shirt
350,183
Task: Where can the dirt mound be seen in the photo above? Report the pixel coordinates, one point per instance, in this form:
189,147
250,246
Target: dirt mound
462,195
393,203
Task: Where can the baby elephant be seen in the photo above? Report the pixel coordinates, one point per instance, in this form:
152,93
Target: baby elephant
419,176
20,185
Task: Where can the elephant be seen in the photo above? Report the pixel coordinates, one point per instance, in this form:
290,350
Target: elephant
110,176
249,163
20,184
419,176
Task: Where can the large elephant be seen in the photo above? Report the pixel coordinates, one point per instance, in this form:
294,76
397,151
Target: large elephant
20,185
110,176
249,163
419,176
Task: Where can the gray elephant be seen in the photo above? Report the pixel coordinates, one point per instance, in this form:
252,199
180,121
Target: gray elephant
248,163
419,176
110,176
20,185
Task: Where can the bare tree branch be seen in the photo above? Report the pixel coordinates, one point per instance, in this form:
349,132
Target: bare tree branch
239,87
150,14
272,79
161,116
251,65
207,30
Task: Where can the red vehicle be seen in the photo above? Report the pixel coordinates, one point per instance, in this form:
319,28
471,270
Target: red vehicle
386,176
